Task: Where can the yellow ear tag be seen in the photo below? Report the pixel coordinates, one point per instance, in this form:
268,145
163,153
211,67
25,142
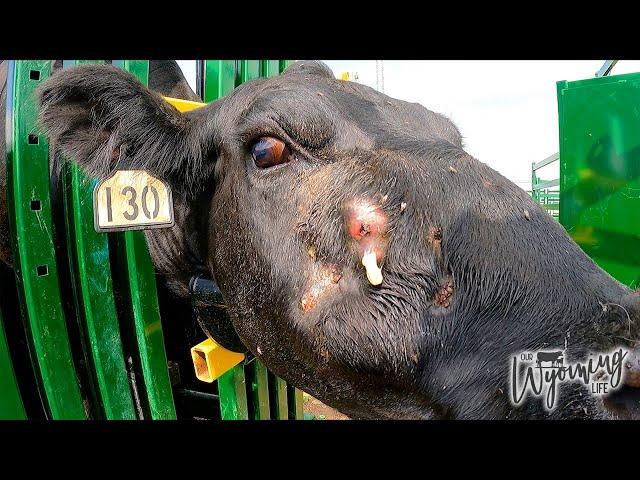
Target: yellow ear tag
132,200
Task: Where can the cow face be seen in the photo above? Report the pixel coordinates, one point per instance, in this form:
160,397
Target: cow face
363,254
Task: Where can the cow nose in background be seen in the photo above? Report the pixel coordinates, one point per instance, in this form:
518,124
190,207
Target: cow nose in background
367,227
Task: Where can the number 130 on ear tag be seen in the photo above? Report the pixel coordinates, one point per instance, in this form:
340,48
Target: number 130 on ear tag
132,200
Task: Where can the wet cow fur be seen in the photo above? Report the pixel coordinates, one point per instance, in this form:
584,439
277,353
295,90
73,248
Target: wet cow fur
474,270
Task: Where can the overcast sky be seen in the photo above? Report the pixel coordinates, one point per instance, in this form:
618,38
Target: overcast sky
506,110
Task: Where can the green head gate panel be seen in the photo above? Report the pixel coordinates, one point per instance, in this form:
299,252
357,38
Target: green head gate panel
89,311
599,122
34,255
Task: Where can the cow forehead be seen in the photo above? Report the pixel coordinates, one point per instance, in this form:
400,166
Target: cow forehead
326,106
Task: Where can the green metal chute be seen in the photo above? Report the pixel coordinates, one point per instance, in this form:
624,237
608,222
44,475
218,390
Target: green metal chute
88,300
599,123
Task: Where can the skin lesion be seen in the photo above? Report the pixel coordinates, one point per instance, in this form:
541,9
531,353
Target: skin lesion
434,237
323,280
444,295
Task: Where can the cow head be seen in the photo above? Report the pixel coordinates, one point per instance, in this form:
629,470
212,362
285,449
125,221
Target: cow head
363,254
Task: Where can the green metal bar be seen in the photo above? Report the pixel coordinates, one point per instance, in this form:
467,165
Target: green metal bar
549,206
543,163
93,294
139,68
11,407
296,403
541,185
260,392
219,78
148,327
534,180
284,64
278,398
31,226
269,68
144,301
249,69
233,395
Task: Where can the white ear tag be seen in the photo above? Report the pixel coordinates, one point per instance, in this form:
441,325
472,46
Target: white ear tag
132,200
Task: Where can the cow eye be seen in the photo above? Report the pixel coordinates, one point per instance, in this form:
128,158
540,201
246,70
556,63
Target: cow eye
269,151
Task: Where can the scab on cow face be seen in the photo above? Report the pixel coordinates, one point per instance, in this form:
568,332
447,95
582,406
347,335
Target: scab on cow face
358,248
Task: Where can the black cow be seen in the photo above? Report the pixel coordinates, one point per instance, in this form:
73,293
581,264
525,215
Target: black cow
554,357
364,256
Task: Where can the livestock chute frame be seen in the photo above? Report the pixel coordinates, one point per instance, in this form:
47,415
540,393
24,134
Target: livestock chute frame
599,126
83,323
598,195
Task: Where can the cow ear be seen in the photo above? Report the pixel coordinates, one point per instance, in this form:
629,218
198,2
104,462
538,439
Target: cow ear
104,118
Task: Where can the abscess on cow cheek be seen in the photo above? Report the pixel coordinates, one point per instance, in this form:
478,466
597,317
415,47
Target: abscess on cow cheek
367,225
